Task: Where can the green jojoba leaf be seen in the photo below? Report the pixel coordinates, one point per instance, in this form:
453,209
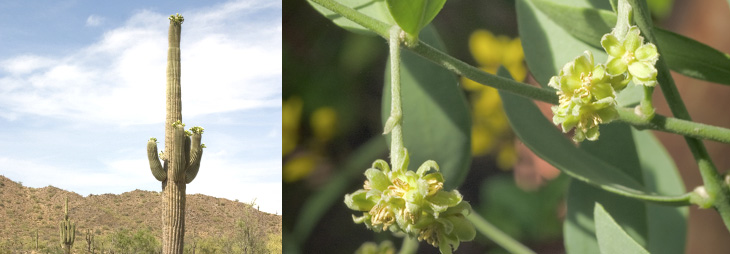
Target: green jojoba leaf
628,150
414,15
376,9
611,237
683,55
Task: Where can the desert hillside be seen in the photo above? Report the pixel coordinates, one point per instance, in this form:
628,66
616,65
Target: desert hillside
212,224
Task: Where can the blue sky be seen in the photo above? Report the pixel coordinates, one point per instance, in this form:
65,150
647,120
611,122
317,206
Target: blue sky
82,89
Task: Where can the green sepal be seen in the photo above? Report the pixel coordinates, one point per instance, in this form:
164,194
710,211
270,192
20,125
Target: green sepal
378,180
426,166
381,165
463,229
359,201
442,200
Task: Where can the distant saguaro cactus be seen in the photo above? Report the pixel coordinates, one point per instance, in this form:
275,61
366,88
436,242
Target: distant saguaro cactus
67,232
181,158
90,241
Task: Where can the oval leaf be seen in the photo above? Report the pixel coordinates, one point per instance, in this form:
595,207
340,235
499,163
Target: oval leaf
436,120
544,138
413,15
611,237
376,9
628,149
548,46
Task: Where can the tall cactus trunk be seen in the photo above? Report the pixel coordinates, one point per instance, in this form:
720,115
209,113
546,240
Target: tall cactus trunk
182,155
173,193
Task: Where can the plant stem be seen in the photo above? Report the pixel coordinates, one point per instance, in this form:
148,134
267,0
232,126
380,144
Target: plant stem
409,246
623,20
396,111
496,235
674,125
623,23
718,193
479,76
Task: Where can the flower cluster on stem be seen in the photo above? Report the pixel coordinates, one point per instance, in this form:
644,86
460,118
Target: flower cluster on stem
631,57
587,96
413,203
587,91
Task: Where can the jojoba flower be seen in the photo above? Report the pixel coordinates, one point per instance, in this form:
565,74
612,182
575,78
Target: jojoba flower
412,202
587,97
631,55
448,230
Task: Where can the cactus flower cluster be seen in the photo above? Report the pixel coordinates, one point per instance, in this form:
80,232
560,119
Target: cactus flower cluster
414,203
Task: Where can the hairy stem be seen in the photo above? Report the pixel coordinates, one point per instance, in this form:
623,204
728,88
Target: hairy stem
623,23
409,246
394,124
718,193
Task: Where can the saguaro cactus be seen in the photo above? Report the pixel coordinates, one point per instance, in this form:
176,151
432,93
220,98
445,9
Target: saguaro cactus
89,241
67,231
183,151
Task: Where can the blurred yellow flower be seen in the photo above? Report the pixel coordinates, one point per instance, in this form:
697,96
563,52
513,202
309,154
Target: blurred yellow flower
324,123
490,52
298,167
291,112
490,129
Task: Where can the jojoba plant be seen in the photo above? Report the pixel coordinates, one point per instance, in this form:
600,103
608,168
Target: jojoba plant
618,59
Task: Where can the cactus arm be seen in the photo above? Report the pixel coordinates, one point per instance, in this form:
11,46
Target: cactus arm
196,154
177,157
192,170
158,171
60,231
73,234
186,147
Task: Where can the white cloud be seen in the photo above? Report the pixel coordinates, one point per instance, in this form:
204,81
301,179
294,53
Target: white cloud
228,64
25,64
94,20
